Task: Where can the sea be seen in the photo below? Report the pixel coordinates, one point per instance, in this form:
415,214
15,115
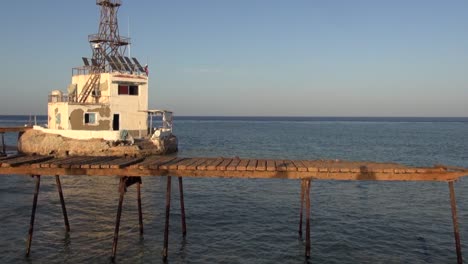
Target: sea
256,220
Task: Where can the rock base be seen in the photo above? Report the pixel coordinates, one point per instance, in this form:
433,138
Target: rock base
40,143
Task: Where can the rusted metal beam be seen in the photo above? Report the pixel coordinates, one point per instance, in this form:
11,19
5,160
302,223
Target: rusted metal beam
117,221
302,207
140,212
33,214
307,200
62,202
168,211
456,232
182,207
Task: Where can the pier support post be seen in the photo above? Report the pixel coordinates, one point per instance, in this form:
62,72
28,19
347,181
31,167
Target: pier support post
182,207
33,214
3,145
455,223
123,184
140,212
307,201
119,213
62,202
168,210
302,207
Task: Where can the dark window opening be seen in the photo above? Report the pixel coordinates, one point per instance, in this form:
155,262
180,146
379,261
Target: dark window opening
133,90
128,90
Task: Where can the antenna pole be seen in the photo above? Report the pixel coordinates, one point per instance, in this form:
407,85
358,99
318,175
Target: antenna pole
129,44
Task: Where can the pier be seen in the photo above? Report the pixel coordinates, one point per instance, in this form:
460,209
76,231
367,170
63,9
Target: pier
131,170
3,130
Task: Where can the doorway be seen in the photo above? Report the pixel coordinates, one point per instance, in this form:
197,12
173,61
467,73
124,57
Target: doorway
116,122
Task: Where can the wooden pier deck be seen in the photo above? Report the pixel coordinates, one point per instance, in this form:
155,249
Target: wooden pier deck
131,170
15,129
224,168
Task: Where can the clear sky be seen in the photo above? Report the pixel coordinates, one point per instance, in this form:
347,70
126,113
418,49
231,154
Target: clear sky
254,57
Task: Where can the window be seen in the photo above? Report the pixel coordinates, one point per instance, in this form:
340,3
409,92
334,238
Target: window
90,118
123,89
133,90
128,89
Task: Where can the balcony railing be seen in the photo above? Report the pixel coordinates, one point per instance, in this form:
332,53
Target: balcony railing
98,38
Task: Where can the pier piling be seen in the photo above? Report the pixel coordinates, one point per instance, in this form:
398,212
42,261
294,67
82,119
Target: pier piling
33,213
168,211
182,207
62,202
119,213
140,212
302,208
456,232
307,201
3,145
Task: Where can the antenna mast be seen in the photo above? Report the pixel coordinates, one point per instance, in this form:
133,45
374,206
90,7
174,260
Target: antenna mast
107,42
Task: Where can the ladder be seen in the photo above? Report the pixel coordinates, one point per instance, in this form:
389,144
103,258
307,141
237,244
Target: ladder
89,87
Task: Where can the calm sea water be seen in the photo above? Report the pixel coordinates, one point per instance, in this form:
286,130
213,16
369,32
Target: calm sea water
256,221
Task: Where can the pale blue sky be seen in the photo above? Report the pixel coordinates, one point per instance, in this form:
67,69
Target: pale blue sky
254,57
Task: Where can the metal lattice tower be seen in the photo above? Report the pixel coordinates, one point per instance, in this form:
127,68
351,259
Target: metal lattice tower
107,42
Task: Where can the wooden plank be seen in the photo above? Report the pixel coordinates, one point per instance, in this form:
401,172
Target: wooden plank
299,165
252,165
187,162
48,163
280,165
120,162
290,165
261,165
66,163
15,129
157,165
312,167
96,164
232,166
242,166
224,164
204,165
212,165
127,163
25,160
165,166
174,164
146,164
197,162
11,157
270,165
77,164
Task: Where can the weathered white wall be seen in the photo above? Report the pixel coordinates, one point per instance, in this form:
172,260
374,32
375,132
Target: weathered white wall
58,115
129,107
82,134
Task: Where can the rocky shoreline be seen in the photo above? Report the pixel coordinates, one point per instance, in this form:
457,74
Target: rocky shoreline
40,143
